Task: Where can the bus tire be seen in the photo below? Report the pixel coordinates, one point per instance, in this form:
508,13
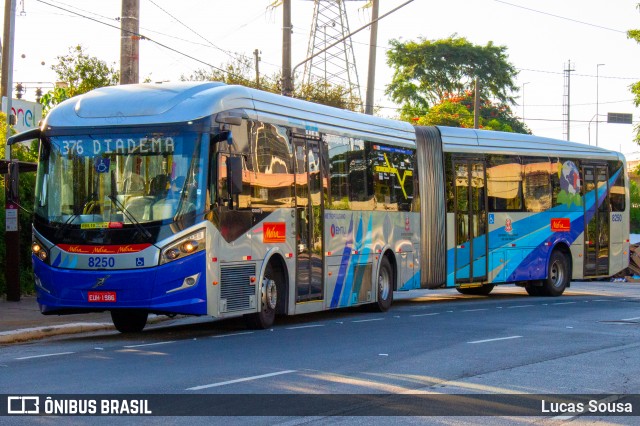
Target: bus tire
534,290
268,300
384,286
129,321
476,291
558,275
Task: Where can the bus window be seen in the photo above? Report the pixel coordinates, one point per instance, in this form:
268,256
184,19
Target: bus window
617,197
392,177
337,150
566,183
450,195
537,184
359,193
271,179
504,181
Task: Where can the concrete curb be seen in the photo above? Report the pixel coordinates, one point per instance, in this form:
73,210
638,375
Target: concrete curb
26,334
36,333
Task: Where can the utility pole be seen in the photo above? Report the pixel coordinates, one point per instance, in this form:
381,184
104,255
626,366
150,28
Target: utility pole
597,99
567,99
130,42
287,81
256,54
12,227
476,105
371,75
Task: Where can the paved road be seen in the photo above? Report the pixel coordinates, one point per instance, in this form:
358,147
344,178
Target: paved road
586,342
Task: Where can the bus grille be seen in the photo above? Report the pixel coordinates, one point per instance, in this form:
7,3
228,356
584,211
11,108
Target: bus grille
236,286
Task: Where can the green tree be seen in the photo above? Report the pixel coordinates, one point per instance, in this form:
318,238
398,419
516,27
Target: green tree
241,72
81,73
26,191
457,111
635,88
426,72
634,192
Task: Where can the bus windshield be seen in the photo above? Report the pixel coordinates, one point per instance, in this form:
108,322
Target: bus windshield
100,180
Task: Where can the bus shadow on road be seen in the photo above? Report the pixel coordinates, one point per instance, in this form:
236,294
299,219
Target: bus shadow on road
185,327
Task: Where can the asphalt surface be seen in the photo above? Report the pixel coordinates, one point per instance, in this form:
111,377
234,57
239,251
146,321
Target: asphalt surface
22,321
429,342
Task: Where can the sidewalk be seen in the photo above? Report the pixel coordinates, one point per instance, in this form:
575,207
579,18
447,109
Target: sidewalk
22,321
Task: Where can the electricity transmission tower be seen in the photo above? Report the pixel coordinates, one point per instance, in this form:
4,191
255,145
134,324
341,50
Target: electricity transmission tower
337,65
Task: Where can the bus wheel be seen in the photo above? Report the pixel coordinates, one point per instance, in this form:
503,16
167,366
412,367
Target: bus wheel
385,284
476,291
534,290
129,321
558,275
269,300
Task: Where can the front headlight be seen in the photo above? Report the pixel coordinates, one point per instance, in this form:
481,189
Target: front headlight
39,250
186,246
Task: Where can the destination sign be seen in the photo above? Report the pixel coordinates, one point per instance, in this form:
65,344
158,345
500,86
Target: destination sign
119,146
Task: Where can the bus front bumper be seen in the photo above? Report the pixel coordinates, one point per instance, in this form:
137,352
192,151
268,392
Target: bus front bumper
175,288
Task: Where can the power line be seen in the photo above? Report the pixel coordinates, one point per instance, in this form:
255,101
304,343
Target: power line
230,54
88,11
144,28
579,75
142,37
561,17
582,104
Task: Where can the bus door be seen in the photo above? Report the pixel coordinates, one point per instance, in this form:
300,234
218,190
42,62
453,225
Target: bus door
597,231
309,211
471,221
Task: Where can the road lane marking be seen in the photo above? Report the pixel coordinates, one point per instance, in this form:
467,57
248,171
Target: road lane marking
631,319
305,326
495,340
474,310
564,303
233,334
425,315
148,344
520,306
369,320
244,379
45,355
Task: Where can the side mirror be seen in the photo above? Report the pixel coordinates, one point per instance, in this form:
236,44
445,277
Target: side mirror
234,179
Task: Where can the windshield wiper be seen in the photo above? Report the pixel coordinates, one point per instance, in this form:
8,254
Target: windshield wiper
131,218
66,224
74,216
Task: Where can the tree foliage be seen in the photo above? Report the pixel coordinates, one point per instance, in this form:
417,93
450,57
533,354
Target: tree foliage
634,198
81,73
26,190
426,72
457,111
241,72
635,88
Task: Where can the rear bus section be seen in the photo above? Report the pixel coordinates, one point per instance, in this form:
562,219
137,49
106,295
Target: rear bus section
520,209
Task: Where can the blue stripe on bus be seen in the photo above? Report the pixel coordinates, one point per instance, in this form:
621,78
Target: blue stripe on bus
359,265
355,259
534,246
344,263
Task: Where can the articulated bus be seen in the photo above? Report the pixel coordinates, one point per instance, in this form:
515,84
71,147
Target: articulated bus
219,200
